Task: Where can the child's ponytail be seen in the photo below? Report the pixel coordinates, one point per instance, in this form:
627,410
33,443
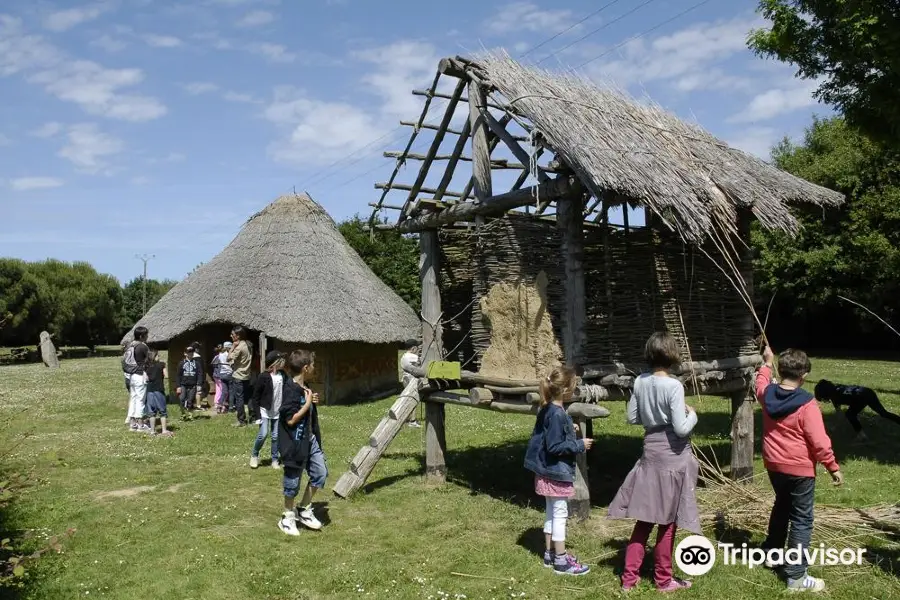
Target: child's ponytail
556,385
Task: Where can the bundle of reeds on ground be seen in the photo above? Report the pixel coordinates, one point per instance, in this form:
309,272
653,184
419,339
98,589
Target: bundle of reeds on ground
728,505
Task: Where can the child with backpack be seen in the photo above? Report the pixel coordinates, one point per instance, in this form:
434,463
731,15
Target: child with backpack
551,457
134,362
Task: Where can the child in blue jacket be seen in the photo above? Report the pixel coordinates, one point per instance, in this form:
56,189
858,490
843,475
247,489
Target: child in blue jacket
551,457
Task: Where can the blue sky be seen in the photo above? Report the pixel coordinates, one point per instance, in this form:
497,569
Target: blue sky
158,127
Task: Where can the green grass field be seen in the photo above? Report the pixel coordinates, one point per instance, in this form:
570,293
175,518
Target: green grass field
186,517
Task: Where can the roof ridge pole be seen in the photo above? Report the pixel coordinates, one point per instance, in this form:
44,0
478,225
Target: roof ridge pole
481,151
570,219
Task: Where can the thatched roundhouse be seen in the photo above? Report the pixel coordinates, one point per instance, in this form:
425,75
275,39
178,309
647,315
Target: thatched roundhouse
292,280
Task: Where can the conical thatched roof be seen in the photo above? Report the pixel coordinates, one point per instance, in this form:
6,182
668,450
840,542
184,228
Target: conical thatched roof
289,273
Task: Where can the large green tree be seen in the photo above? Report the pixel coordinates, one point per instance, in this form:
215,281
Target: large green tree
392,256
133,297
852,45
853,251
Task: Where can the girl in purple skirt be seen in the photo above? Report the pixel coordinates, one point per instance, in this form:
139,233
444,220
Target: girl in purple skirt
551,457
659,490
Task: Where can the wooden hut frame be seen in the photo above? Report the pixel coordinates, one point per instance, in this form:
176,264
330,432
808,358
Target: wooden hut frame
598,150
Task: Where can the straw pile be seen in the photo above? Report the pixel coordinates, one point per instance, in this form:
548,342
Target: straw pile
746,506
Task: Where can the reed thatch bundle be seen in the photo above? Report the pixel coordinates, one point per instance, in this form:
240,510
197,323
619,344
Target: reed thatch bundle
746,506
638,151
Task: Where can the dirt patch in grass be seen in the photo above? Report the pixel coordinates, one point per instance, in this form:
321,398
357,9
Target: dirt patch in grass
126,492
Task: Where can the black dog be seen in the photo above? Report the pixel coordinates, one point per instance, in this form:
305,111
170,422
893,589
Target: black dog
855,398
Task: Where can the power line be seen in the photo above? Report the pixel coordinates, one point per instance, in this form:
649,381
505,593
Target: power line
569,28
643,33
601,28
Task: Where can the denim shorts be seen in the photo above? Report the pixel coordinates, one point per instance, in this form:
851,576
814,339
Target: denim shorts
156,404
316,469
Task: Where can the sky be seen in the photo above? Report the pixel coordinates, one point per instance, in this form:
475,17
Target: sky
155,127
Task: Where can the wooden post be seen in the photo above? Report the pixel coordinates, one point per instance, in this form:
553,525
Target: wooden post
263,350
432,330
570,219
481,153
742,402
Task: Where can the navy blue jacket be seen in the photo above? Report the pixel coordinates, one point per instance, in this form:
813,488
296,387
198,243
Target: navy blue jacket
553,445
294,442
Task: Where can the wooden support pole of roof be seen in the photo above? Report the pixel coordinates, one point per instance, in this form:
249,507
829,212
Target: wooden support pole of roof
514,147
493,206
444,96
496,163
742,402
570,219
412,138
387,206
481,151
492,145
450,130
433,150
432,344
454,160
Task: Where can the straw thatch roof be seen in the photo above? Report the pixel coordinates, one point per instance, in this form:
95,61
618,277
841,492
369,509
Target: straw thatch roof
288,273
646,155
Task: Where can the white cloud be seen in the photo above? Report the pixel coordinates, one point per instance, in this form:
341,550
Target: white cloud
239,97
214,39
96,90
756,140
685,58
109,43
256,18
22,52
47,130
161,41
89,148
24,184
527,16
400,67
320,131
273,52
793,95
66,19
200,87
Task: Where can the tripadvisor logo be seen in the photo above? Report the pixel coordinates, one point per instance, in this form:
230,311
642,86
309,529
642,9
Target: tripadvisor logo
695,555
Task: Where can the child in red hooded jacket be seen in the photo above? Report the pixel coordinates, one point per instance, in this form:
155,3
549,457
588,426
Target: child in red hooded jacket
794,440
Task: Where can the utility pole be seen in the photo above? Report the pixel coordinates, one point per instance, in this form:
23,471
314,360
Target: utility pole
145,258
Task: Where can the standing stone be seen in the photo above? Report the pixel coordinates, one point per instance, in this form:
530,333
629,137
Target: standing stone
48,351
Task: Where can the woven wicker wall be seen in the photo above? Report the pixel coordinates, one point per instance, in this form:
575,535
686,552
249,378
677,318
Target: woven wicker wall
635,283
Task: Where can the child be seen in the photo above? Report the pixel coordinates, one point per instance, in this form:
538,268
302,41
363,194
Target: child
268,395
794,440
551,457
659,490
410,358
156,397
188,379
221,372
300,443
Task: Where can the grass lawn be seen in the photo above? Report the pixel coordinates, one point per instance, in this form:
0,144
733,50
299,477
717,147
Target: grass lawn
187,518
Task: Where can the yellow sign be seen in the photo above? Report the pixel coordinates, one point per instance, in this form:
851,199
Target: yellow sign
443,370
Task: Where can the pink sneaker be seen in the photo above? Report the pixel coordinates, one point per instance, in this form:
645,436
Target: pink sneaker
674,585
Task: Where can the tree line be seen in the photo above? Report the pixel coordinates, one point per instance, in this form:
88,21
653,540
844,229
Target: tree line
72,301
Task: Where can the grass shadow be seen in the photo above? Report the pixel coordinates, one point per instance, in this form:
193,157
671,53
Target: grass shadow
532,539
885,559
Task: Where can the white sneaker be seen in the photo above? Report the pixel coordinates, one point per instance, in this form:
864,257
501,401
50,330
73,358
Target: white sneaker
276,464
806,584
257,422
254,462
308,519
287,524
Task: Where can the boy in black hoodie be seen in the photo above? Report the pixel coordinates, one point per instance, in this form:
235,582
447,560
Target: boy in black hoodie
300,443
190,374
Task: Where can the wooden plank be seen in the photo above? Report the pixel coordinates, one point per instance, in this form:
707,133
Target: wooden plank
496,163
432,345
366,459
405,188
579,410
496,205
444,96
450,130
435,146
